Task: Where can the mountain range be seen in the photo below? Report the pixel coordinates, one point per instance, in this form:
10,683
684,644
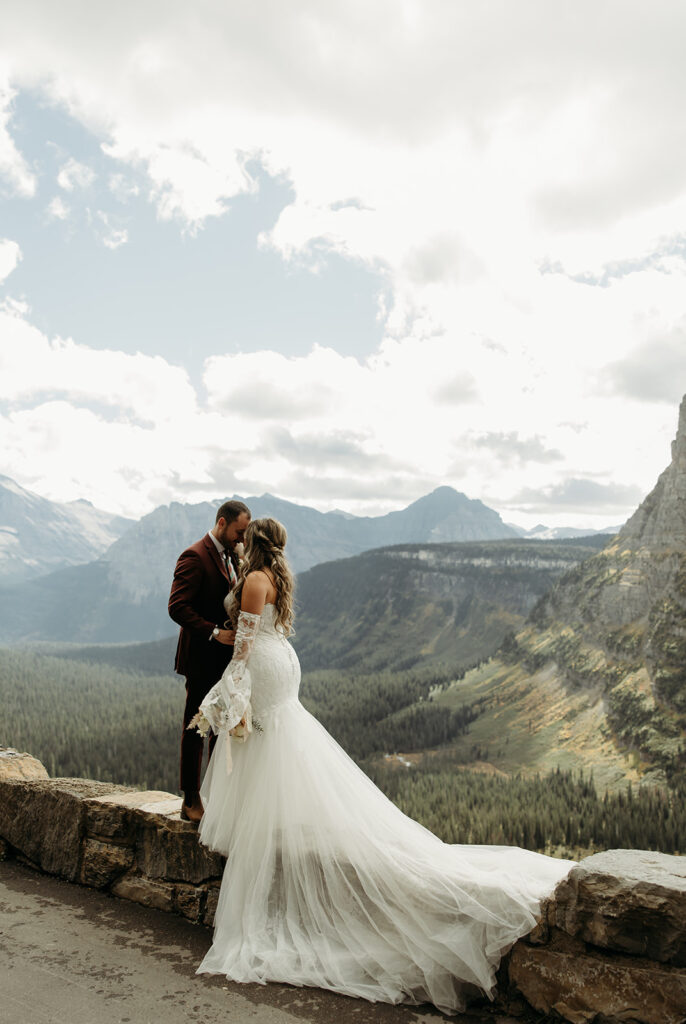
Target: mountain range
122,594
541,532
38,535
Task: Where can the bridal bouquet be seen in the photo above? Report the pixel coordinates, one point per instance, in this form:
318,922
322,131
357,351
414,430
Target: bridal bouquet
215,715
223,711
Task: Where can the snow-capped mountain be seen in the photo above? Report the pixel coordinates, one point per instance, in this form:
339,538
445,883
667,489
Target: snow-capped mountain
38,535
541,532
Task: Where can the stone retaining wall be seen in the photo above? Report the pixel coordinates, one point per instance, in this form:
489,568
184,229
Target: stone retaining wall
108,837
610,947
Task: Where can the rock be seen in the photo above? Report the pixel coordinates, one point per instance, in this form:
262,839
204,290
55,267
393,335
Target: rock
143,890
45,820
612,904
172,850
211,905
660,522
14,765
632,901
586,962
107,819
113,815
189,900
151,801
585,989
44,823
166,847
102,863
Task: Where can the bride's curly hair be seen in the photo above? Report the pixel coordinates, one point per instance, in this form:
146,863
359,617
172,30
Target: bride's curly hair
265,540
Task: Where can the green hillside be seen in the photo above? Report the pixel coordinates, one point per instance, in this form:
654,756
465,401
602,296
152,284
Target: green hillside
412,605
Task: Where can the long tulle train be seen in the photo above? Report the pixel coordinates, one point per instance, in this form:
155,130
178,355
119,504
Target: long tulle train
328,884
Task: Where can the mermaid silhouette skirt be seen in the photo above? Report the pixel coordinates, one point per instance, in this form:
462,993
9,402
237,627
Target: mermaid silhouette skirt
329,884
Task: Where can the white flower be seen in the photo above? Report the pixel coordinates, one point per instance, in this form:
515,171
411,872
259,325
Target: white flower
200,723
244,727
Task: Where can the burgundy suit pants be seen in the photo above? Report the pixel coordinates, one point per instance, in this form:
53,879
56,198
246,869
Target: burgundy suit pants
192,743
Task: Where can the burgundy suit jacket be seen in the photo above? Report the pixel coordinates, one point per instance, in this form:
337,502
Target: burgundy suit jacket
196,603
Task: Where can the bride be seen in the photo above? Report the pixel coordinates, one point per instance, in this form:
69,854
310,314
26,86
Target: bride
327,882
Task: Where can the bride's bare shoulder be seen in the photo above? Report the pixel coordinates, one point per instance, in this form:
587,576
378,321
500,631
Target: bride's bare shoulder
259,581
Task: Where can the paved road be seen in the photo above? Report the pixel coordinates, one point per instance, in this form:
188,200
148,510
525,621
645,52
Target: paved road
71,955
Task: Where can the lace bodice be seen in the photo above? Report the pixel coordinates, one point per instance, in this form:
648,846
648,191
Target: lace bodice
273,665
267,620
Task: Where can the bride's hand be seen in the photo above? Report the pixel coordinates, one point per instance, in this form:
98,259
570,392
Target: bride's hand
227,637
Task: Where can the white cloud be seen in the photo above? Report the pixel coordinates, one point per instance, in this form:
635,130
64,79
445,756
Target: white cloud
186,184
124,430
112,237
15,173
58,209
74,175
576,495
32,367
122,187
480,142
130,431
10,254
122,464
470,143
520,429
655,371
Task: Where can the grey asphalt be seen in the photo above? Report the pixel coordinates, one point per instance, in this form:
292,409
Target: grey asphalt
71,955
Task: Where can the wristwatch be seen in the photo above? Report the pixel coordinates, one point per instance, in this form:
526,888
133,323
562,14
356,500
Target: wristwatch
215,633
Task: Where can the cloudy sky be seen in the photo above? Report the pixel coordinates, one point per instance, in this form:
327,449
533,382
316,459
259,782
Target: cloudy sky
343,251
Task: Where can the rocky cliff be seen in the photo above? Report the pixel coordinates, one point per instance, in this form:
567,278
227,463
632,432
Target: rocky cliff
597,676
610,946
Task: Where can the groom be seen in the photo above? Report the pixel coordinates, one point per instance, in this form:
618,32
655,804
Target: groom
204,575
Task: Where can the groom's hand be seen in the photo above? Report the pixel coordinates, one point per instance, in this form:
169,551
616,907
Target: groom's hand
226,636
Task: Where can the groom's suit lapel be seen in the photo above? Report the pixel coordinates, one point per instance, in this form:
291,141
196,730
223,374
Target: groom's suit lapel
216,558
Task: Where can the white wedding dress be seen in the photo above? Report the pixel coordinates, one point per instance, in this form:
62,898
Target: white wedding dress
327,882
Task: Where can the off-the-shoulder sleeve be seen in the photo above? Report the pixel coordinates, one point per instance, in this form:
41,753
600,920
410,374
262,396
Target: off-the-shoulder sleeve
228,702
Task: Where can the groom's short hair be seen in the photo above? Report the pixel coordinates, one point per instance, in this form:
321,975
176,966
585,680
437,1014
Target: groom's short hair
231,510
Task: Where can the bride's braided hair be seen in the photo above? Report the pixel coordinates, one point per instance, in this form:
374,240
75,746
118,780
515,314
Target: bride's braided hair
265,540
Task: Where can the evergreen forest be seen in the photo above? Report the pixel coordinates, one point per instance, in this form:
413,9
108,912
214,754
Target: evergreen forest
120,723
